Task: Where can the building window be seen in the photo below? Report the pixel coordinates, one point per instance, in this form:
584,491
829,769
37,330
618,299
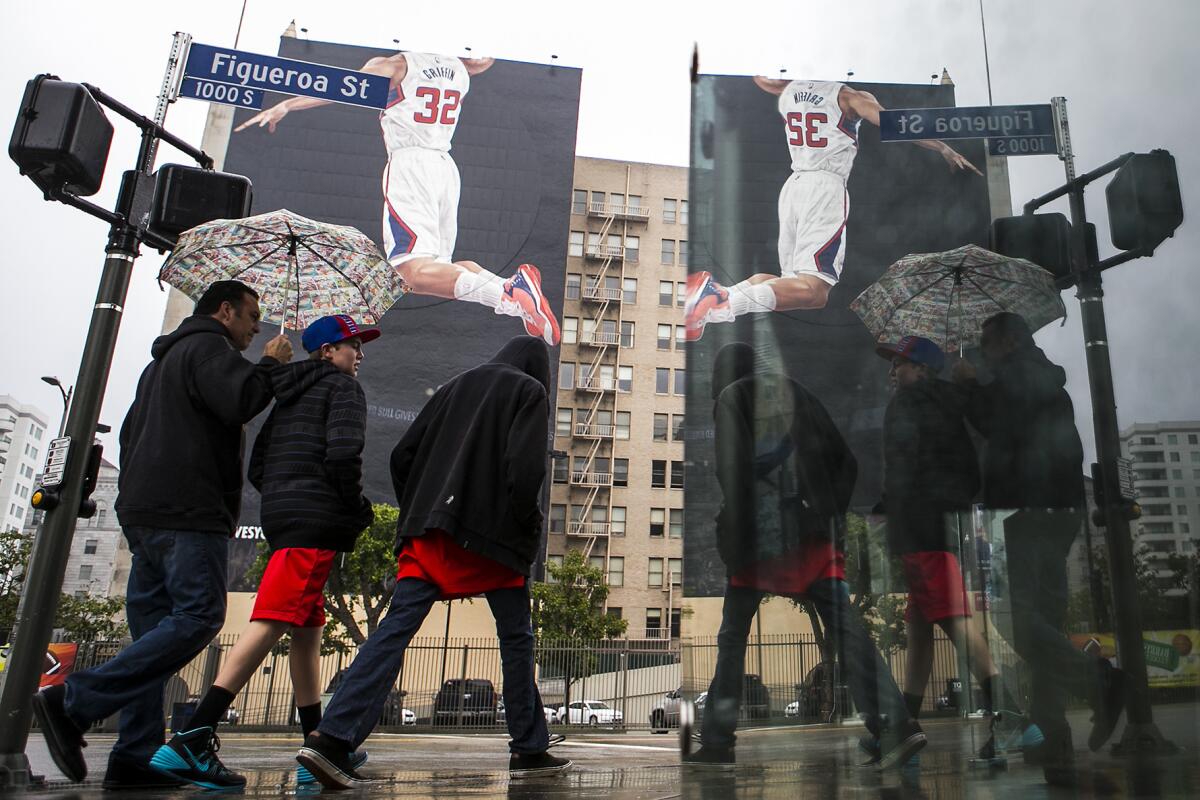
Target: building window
683,212
654,573
681,294
617,200
579,201
676,474
597,202
683,253
664,337
627,331
625,379
658,474
571,290
561,468
676,527
662,380
89,546
618,521
668,251
575,244
653,623
1181,510
670,207
596,563
633,246
620,472
1176,474
1147,440
658,517
566,374
1175,457
616,573
37,434
680,382
85,572
1195,456
558,518
1172,439
635,203
675,571
622,429
570,330
680,337
629,290
660,427
665,291
1193,438
562,422
615,611
1185,528
677,422
556,561
676,622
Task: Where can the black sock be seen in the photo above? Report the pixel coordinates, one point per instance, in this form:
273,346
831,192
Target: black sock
212,708
913,703
310,717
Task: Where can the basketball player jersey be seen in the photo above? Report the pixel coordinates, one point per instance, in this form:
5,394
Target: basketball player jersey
818,136
424,112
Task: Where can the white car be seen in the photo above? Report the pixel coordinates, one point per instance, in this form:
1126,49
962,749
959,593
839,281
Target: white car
408,717
792,709
593,712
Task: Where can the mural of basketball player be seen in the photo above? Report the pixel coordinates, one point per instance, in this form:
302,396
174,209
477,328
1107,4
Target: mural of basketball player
421,187
821,122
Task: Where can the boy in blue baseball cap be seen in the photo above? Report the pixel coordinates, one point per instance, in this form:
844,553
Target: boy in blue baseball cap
307,464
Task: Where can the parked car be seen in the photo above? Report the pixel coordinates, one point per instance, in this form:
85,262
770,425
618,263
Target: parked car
593,712
394,712
551,715
474,698
756,704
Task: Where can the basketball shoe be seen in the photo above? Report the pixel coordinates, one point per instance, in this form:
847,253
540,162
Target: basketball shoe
524,292
704,295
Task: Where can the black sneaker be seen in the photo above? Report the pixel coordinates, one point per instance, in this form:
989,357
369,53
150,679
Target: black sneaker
711,758
126,774
64,739
524,765
556,739
192,756
330,762
1109,704
897,748
869,745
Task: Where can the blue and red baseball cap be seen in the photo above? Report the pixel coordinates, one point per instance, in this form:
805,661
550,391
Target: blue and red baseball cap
333,329
916,349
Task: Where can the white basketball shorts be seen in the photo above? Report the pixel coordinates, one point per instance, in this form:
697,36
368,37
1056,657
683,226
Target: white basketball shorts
420,208
813,207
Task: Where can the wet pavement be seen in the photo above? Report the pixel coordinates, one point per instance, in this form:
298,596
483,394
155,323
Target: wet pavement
784,763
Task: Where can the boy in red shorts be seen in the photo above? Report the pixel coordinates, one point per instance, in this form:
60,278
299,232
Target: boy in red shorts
307,463
931,476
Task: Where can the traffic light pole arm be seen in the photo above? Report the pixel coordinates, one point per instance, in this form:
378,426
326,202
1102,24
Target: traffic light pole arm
150,126
1078,183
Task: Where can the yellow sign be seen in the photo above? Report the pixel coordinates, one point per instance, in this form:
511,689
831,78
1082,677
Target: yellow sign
1172,657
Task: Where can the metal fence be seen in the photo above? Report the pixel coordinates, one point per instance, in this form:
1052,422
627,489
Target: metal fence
626,684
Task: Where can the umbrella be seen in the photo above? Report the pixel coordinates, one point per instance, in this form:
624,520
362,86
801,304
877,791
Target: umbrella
947,296
302,269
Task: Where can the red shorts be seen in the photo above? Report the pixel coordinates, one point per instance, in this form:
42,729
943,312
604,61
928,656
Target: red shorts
293,587
795,571
936,589
436,558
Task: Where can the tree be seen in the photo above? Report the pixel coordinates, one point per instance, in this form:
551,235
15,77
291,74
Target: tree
360,584
1165,586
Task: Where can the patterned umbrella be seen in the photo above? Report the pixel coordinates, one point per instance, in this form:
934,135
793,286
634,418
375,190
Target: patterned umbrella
947,296
301,269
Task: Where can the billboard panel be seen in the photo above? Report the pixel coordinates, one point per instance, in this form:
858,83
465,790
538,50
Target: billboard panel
789,178
471,162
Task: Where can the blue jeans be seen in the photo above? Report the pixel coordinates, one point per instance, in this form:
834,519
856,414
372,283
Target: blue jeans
359,700
175,605
870,681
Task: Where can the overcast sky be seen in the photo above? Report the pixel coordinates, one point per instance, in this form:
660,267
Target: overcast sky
1129,79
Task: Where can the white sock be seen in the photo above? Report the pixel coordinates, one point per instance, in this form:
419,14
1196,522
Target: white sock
747,298
481,287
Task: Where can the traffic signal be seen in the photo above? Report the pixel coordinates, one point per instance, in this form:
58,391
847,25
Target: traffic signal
1044,239
185,197
1144,206
61,137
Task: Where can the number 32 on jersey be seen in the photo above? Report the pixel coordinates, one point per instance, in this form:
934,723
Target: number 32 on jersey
803,130
440,107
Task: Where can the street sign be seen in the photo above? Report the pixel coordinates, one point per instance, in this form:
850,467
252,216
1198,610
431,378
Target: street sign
227,93
286,76
56,462
1022,146
971,122
1125,478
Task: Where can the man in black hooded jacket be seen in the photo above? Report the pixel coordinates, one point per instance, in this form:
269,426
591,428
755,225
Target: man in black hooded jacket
468,475
180,491
1033,465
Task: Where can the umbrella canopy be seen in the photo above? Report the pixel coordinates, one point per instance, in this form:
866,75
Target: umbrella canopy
947,296
302,269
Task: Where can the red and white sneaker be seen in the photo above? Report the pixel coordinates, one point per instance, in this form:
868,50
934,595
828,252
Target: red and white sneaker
524,290
704,295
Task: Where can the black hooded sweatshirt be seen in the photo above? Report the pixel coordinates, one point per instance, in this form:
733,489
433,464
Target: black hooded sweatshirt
785,471
307,460
1033,458
473,461
181,442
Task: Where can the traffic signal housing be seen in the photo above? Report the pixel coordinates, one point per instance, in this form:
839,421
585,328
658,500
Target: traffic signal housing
1043,239
1144,205
61,137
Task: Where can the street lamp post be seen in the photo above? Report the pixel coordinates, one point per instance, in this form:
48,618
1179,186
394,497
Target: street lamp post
66,398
